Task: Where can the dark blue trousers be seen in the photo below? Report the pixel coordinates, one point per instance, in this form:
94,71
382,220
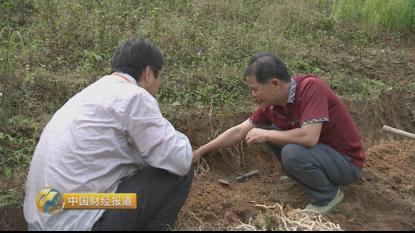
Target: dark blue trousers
319,170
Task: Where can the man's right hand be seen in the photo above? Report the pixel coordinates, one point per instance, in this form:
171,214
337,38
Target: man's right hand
197,154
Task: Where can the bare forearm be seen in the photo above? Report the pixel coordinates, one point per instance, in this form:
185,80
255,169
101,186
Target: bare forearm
296,136
286,137
226,139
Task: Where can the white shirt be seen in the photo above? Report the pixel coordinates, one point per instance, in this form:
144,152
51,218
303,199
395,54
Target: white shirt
108,131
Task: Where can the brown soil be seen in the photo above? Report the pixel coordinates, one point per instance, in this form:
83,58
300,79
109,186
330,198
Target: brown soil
12,219
384,199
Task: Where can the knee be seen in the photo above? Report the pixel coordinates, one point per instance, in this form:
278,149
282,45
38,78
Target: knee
292,156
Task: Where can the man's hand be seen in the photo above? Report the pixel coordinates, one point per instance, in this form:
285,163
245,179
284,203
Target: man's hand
197,154
257,136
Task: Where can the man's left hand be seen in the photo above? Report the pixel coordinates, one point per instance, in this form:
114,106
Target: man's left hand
257,136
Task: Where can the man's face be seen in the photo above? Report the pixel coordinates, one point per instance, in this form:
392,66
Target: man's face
268,94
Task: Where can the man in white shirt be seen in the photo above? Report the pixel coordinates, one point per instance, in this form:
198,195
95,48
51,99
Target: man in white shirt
112,138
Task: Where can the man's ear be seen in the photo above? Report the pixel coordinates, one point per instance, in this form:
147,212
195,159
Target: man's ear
275,82
147,73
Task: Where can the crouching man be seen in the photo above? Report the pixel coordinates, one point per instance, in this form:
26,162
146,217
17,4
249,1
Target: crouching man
112,138
306,125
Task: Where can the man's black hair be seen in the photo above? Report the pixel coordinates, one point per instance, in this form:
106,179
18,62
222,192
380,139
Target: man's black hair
266,66
134,55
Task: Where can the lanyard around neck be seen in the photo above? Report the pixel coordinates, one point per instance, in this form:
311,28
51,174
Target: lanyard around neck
121,76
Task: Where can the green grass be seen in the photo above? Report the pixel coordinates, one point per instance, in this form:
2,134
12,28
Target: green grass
11,197
52,49
413,86
18,143
377,14
11,42
358,88
206,44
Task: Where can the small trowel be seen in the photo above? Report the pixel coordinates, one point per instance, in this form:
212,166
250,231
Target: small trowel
242,177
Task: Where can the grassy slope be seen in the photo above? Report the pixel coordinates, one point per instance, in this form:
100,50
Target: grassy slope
54,49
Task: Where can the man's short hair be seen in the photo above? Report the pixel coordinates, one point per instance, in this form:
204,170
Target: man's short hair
266,66
134,55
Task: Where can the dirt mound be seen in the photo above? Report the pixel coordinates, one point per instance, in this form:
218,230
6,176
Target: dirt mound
384,199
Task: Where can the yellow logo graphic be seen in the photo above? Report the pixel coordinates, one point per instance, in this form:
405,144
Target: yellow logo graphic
100,201
51,201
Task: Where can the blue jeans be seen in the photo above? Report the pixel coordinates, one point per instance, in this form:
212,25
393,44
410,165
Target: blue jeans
319,170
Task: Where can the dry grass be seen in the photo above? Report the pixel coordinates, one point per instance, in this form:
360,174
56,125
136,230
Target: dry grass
268,218
201,168
275,218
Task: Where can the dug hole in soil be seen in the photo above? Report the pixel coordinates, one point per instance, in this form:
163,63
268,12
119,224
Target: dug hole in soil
384,199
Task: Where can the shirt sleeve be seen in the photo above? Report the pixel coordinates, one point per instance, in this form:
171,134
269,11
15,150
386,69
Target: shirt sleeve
314,106
156,140
259,117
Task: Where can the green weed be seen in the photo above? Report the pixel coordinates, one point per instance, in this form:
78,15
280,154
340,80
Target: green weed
377,14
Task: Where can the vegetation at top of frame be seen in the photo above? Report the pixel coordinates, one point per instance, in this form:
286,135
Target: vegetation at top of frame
377,14
52,49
